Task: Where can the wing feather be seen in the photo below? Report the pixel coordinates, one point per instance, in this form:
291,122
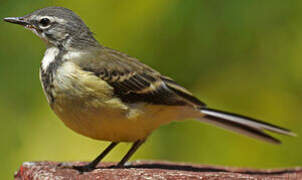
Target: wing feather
135,82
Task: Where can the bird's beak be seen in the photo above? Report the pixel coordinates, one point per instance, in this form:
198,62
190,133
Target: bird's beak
17,20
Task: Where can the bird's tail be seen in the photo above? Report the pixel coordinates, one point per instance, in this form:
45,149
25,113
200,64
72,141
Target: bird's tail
244,125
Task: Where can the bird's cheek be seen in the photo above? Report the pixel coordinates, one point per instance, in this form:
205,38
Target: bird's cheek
60,35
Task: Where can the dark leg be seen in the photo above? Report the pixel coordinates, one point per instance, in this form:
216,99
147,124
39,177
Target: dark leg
132,150
92,165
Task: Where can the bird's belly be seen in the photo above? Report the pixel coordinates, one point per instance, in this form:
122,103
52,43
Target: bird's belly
111,124
103,123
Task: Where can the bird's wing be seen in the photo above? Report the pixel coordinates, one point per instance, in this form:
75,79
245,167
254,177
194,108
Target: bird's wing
135,82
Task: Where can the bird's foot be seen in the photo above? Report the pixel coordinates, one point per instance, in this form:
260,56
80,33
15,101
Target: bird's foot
64,165
85,168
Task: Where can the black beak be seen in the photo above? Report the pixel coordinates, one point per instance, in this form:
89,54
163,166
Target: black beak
16,20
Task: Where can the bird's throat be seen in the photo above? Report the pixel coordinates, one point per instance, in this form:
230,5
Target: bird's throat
49,57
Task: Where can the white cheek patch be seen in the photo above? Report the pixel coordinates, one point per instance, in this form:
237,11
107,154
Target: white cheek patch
49,57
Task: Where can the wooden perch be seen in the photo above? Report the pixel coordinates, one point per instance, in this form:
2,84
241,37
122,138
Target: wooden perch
150,170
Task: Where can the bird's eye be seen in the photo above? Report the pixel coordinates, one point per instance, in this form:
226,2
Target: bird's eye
44,22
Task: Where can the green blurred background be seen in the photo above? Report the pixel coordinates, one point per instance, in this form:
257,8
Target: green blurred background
241,56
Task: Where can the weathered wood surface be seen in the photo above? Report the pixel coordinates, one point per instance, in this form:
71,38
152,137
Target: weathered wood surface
151,170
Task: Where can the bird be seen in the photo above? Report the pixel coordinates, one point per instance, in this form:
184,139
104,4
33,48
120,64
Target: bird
108,95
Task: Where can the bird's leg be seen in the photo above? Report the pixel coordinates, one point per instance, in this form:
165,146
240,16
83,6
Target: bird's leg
92,165
132,150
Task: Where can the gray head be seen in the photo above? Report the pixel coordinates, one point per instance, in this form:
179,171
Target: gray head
57,26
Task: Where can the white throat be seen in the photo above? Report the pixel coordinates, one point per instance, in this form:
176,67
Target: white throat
49,57
52,52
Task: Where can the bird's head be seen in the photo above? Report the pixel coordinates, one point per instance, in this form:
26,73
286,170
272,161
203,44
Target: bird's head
58,27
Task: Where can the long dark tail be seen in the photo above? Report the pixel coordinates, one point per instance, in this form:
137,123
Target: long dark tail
244,125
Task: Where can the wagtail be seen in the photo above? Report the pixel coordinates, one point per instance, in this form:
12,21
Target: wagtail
107,95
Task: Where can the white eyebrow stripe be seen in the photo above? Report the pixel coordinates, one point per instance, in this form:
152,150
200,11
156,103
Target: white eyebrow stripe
51,18
63,21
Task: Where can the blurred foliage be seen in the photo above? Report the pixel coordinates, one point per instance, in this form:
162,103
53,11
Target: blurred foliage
241,56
